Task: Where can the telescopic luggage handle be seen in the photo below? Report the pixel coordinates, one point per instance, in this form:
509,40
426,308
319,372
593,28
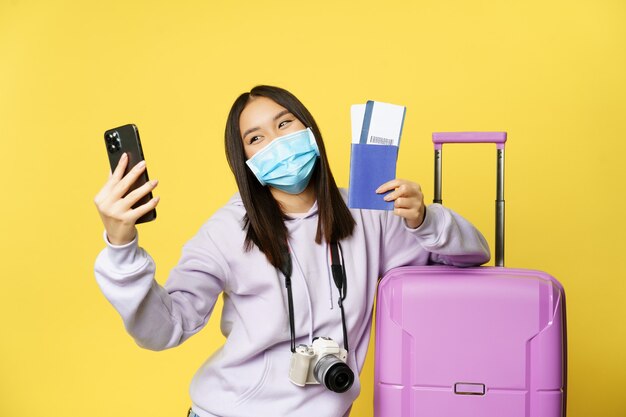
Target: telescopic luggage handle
499,138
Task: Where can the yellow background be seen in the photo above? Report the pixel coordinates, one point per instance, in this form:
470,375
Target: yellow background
550,73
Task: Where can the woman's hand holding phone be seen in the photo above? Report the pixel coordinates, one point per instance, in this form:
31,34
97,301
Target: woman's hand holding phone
115,207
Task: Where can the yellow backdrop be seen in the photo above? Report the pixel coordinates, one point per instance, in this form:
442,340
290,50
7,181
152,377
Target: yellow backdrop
551,73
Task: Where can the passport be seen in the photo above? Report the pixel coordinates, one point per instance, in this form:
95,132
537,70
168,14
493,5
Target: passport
376,132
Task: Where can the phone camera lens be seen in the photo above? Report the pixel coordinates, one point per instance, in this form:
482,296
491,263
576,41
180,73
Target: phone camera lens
113,147
111,136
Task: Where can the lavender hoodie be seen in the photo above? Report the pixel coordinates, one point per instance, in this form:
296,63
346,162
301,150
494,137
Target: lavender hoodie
248,375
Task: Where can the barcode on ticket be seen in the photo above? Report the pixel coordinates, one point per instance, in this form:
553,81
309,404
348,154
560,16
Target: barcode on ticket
380,141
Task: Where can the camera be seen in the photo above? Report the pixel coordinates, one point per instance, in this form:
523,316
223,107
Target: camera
323,362
113,141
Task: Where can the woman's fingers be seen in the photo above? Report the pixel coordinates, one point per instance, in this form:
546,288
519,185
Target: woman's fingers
124,184
115,209
402,188
388,186
403,202
144,208
408,200
138,193
114,178
119,169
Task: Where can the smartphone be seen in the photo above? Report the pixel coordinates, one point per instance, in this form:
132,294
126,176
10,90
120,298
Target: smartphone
125,139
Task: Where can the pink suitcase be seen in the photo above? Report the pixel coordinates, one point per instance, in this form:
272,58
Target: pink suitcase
461,342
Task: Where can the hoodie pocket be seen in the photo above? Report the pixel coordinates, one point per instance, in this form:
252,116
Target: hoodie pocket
258,383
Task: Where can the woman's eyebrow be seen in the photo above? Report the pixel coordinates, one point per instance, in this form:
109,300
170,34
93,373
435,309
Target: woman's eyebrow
278,116
281,114
247,132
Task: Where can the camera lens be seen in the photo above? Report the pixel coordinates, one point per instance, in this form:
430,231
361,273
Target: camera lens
333,373
111,136
113,147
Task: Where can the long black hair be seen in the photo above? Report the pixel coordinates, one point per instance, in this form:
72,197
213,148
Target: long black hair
264,220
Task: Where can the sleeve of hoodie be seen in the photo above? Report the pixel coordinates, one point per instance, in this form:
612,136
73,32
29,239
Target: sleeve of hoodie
445,235
160,317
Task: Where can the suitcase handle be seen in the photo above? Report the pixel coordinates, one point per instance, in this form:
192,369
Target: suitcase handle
499,138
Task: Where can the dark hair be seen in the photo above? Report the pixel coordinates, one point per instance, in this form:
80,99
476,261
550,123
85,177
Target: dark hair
264,219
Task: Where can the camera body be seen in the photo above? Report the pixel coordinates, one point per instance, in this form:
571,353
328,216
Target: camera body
323,362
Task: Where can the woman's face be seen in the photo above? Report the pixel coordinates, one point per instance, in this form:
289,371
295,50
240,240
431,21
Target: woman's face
262,121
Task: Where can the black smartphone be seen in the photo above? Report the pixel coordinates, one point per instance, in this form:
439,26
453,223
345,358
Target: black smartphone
125,139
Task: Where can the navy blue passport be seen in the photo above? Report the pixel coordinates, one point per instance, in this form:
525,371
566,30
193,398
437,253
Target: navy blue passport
370,167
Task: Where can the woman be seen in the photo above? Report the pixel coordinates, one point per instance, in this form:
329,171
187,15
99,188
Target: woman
280,228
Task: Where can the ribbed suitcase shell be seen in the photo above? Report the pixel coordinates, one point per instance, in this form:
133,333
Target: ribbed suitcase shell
461,342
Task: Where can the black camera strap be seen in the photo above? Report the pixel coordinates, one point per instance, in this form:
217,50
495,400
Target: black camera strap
339,277
287,269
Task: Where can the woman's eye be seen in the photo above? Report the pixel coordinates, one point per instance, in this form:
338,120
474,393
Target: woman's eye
254,139
284,123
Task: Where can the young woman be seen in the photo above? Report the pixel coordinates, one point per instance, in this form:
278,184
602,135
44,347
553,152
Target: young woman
288,224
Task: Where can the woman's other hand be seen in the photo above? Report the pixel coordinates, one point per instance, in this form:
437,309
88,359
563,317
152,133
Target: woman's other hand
116,210
408,200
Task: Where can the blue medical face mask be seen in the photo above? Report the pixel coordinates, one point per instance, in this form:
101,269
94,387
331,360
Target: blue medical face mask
287,162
